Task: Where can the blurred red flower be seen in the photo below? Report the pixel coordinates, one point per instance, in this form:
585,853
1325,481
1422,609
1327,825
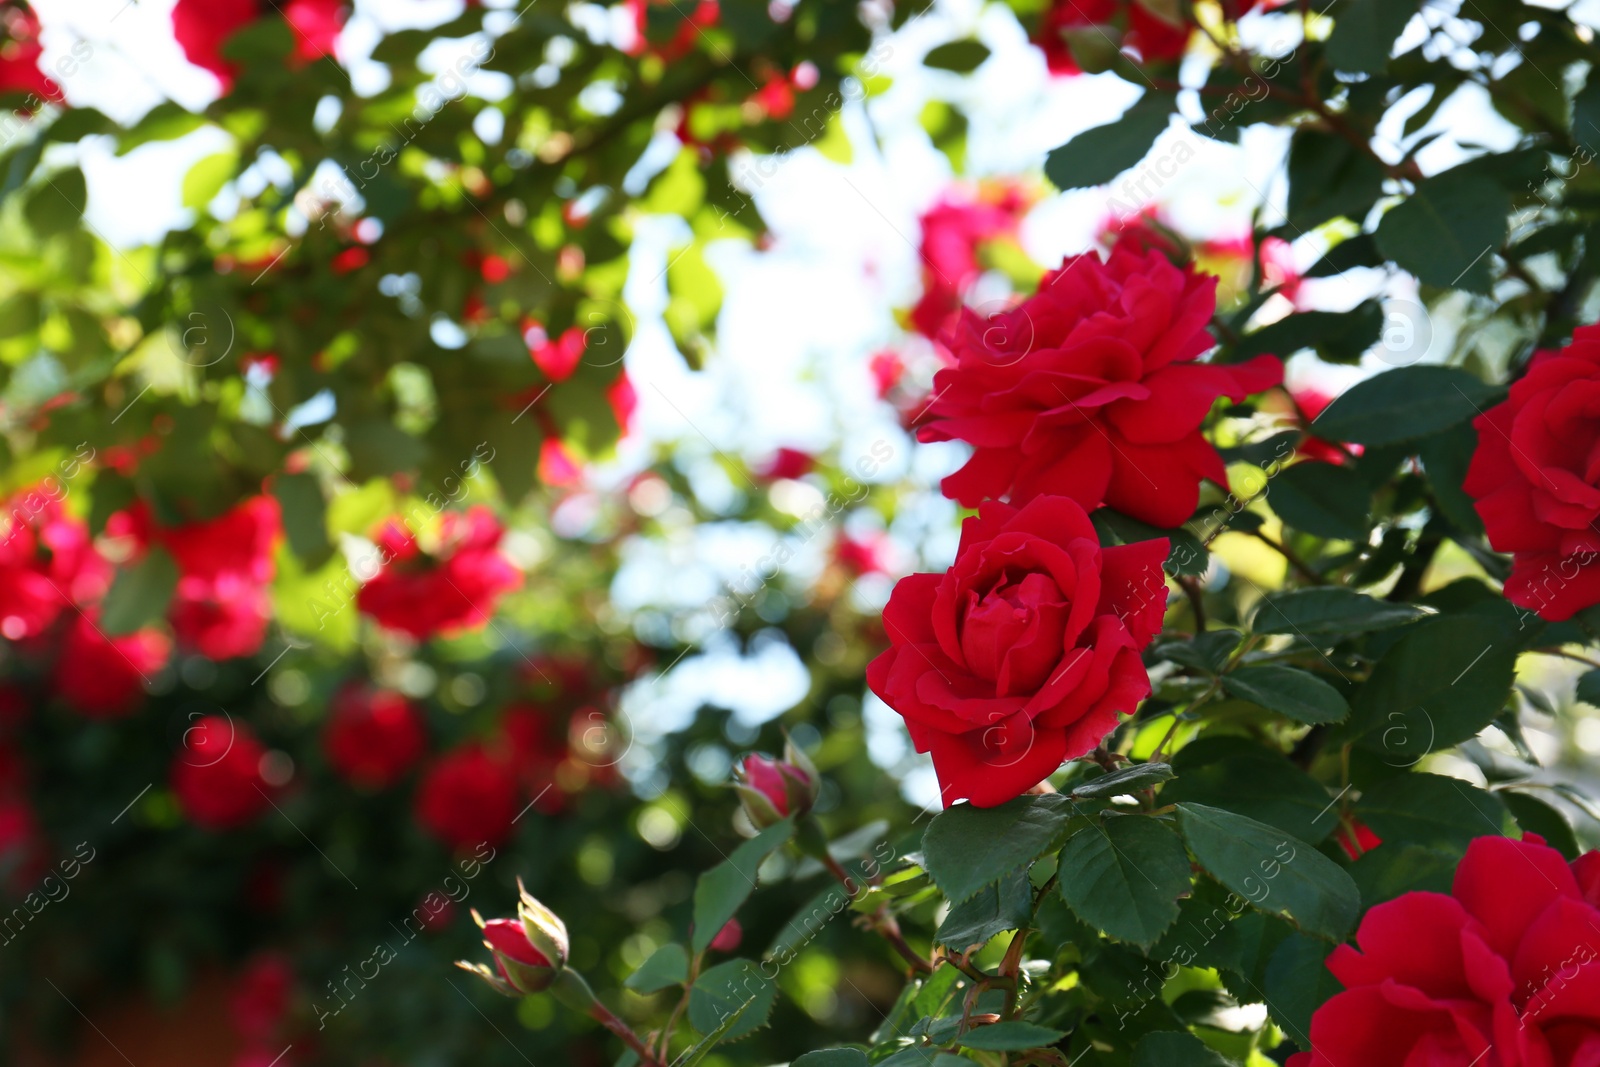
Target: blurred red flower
216,774
469,797
101,676
374,736
454,590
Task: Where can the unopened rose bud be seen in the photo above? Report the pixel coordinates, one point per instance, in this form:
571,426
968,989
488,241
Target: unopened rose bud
771,790
544,929
530,951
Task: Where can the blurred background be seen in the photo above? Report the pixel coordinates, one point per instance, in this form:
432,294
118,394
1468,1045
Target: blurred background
466,432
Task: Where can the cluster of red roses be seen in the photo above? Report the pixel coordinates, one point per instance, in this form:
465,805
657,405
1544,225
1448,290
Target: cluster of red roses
1100,27
1502,972
1089,393
1536,479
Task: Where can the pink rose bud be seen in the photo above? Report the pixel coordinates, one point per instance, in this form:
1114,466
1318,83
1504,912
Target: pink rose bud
771,790
728,938
530,951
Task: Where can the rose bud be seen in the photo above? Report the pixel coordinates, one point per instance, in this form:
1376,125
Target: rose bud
543,928
522,967
771,790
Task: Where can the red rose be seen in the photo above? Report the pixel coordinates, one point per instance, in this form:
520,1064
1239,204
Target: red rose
952,230
217,774
373,736
221,607
469,797
1504,972
47,563
103,677
1023,653
1089,389
456,590
1536,480
19,58
1153,38
201,27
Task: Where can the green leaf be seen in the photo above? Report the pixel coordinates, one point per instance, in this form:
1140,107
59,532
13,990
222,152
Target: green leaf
1446,232
1098,155
1359,251
1298,975
56,204
968,847
702,1048
1241,776
1134,779
1385,873
1125,877
723,889
1430,809
1589,688
962,57
667,966
1437,686
832,1057
1330,177
1186,556
139,594
1365,34
1301,696
996,908
1336,336
1404,404
1175,1048
1445,458
164,122
378,447
738,986
1322,499
1274,871
1329,609
1586,112
1011,1036
1534,816
206,179
305,517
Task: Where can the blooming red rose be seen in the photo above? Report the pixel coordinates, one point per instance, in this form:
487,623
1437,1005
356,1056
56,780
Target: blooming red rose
47,563
19,55
1503,972
221,606
1023,653
952,230
202,28
1536,479
102,676
373,736
1090,389
1148,35
216,774
469,797
456,590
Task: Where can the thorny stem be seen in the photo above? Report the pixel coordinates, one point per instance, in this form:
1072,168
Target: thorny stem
606,1019
881,921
